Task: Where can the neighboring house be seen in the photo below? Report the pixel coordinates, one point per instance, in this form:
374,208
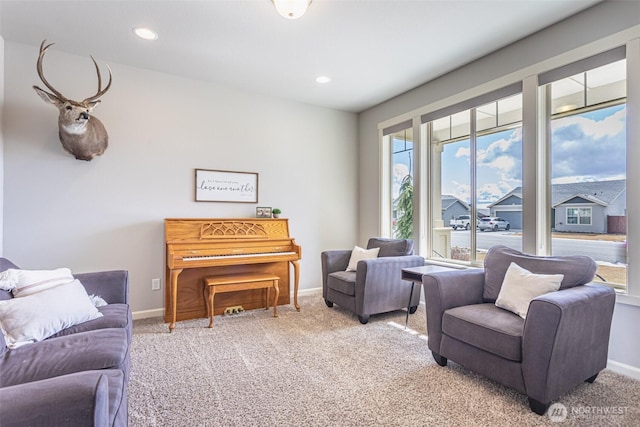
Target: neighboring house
583,207
452,207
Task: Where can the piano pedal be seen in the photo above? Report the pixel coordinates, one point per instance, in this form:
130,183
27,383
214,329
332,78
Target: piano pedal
234,310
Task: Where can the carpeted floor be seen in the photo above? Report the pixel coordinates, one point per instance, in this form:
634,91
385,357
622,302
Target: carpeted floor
321,367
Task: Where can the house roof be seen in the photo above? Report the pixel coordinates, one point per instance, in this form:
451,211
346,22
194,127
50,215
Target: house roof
448,200
600,192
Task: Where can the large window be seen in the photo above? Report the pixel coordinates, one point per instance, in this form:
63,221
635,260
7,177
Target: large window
588,168
476,164
540,164
402,160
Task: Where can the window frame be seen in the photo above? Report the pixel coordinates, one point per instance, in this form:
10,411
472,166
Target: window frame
536,187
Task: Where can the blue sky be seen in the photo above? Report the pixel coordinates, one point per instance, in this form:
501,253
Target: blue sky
585,147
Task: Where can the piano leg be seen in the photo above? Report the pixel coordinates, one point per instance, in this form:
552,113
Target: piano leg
296,275
174,298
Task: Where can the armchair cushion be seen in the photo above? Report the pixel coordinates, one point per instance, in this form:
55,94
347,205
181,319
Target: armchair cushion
577,269
358,254
487,327
343,282
520,286
391,247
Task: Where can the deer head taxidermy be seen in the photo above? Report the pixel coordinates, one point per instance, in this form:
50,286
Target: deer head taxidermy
82,135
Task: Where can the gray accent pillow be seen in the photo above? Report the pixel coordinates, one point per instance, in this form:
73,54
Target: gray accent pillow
577,269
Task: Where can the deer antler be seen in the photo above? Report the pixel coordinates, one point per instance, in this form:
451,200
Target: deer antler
43,50
100,90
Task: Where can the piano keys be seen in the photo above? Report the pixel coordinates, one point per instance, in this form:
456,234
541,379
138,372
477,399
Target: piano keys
200,247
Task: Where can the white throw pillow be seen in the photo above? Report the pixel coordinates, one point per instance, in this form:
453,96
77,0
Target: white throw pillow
358,254
520,286
36,317
27,282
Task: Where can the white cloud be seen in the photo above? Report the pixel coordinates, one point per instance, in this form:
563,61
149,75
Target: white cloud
597,129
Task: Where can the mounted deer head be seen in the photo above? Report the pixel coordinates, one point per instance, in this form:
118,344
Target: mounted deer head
82,135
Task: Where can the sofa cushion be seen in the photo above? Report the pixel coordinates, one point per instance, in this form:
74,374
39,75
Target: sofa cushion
38,316
358,254
391,247
577,269
520,286
99,349
113,316
343,282
487,327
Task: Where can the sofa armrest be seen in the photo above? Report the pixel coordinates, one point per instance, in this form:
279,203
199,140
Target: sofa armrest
332,261
566,339
112,286
80,399
449,289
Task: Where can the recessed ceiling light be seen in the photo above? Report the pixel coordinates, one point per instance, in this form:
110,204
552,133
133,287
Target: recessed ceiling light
323,79
145,33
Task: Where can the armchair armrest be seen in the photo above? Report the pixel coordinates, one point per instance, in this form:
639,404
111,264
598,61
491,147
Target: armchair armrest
377,282
566,339
80,399
112,286
334,260
449,289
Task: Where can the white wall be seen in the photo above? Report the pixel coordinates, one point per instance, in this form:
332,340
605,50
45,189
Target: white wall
589,26
108,213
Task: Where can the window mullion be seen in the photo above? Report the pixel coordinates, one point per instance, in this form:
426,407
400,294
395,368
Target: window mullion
473,195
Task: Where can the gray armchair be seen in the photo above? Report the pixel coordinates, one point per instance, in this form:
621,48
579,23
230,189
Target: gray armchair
562,342
376,285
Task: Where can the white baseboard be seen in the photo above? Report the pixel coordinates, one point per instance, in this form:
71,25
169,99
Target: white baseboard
159,312
621,368
145,314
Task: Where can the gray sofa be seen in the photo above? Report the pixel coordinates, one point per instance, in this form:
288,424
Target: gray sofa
78,377
561,342
376,285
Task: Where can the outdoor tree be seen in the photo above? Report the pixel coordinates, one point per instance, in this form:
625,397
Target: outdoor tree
404,209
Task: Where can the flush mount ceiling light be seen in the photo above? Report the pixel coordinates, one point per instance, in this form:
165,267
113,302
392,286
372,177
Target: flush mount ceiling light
145,33
323,79
291,9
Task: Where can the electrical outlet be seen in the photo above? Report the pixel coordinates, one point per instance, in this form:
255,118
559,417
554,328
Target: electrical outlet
155,284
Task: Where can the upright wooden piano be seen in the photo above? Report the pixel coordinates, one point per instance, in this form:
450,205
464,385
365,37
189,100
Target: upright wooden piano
200,247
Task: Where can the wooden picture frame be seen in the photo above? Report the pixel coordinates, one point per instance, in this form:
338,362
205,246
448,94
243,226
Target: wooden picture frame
226,186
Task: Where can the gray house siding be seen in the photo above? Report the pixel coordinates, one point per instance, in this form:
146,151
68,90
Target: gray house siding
452,211
509,209
618,206
514,218
598,219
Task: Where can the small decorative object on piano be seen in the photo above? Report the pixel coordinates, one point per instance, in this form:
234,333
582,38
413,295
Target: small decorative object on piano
263,212
276,212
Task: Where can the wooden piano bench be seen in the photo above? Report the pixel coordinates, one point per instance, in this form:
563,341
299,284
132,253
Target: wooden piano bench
241,282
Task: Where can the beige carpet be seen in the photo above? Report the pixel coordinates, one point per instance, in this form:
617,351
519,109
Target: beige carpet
321,367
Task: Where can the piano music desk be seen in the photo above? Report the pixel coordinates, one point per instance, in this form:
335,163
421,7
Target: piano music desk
241,282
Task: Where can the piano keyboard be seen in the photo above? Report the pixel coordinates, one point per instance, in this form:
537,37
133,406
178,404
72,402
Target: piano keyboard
206,257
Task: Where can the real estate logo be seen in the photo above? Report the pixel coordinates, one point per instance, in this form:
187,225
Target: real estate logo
557,413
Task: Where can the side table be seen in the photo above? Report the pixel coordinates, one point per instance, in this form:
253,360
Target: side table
414,274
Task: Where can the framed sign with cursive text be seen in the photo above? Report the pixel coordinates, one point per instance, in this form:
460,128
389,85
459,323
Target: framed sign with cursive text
226,186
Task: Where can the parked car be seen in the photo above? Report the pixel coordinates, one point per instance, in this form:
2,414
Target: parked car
462,221
493,223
